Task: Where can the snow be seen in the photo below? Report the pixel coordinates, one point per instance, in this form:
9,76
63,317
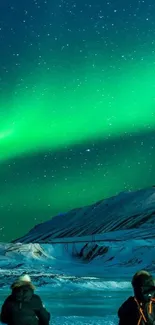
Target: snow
123,240
79,259
126,211
82,303
83,268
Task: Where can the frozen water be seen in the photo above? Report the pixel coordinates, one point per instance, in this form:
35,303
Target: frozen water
78,289
84,278
82,301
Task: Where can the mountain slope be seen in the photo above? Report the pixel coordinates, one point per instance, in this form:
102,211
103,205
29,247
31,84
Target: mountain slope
126,211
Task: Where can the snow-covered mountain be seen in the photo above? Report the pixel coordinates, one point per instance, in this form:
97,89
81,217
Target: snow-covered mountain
126,211
112,238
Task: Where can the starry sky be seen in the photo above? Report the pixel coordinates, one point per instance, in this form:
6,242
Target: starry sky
77,105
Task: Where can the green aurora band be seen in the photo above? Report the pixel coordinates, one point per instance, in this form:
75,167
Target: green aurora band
46,115
77,106
52,115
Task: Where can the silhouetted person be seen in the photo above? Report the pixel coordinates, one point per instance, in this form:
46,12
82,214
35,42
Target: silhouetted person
140,309
23,307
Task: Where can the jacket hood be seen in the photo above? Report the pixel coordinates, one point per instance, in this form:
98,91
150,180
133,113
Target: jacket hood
22,291
143,274
143,281
144,288
19,284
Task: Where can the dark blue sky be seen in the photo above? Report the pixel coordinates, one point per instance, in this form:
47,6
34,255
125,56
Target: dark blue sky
91,57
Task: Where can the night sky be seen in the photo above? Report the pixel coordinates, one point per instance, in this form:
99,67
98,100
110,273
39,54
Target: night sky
77,105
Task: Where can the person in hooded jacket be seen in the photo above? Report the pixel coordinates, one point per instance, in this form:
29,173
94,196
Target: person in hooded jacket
23,307
139,309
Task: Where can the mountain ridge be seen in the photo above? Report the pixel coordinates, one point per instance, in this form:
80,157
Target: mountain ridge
125,211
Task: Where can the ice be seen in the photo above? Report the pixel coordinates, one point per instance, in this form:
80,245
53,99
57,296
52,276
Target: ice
82,302
83,268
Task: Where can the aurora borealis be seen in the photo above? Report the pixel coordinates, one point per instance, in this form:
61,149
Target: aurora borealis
77,105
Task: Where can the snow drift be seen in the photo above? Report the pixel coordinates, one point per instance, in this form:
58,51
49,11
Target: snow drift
110,239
